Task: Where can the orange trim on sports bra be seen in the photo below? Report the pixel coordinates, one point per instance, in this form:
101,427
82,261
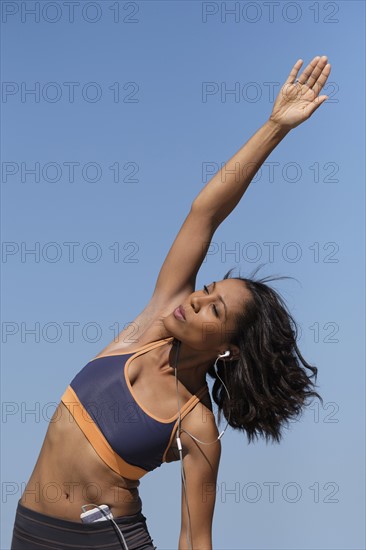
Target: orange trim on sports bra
156,343
198,395
97,439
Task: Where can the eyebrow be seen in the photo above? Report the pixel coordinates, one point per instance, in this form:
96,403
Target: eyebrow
221,300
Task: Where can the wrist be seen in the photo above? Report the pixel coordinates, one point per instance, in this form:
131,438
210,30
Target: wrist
277,128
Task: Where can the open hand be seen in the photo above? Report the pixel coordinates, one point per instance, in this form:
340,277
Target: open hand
299,98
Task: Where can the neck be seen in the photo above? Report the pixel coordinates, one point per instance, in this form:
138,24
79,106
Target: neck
192,365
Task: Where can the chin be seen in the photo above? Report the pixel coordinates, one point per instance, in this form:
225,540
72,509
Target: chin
169,325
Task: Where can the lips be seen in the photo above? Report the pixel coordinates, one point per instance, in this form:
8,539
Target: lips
179,313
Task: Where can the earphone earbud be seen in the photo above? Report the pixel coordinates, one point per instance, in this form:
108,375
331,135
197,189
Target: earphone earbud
226,354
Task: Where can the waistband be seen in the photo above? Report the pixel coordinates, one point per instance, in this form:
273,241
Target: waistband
76,525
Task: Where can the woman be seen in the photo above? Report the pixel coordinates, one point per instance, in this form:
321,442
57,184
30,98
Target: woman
138,404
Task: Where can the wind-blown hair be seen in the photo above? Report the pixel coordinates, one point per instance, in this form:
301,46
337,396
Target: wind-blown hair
268,384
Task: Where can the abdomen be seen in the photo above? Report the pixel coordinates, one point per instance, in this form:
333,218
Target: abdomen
69,473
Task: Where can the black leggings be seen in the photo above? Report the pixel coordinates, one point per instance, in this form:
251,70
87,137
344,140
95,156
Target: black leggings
36,531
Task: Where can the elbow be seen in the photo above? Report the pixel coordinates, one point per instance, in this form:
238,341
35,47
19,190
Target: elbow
210,215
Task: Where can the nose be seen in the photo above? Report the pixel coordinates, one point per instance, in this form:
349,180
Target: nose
198,300
195,303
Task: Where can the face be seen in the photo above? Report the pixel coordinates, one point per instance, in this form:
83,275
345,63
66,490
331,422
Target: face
205,321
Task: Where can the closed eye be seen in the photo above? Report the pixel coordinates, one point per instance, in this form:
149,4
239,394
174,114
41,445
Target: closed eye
205,289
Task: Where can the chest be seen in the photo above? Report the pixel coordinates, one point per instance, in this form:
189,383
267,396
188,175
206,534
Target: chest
154,389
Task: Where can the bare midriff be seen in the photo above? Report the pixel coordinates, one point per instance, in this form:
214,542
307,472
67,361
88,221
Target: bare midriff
69,473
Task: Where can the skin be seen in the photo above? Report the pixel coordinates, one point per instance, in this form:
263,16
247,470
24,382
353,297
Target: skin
210,322
67,468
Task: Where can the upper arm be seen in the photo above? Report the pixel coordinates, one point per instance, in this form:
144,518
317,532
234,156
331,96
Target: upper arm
179,270
176,279
201,463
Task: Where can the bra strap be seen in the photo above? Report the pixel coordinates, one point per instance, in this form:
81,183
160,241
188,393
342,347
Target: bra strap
141,349
193,401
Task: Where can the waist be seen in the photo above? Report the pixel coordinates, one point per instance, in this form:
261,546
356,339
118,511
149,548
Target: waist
38,531
55,521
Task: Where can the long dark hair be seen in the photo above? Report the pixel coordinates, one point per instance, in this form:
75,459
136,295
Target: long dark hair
268,384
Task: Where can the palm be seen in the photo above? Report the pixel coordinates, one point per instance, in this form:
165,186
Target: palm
298,99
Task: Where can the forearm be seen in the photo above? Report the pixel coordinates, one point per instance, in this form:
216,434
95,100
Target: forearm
199,543
223,192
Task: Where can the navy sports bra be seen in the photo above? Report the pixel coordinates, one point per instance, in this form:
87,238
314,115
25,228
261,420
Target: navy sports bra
129,439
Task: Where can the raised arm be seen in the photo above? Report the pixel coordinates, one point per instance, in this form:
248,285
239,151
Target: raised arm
295,103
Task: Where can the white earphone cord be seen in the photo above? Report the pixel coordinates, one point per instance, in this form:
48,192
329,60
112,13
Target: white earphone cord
179,443
119,532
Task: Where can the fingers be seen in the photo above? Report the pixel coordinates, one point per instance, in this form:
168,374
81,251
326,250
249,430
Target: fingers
317,72
306,74
311,72
322,78
314,76
295,69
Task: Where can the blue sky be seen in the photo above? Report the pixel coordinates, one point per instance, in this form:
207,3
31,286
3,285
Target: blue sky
134,105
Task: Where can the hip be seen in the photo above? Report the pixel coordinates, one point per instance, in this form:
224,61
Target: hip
34,530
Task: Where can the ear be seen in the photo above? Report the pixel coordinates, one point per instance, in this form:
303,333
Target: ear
235,353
